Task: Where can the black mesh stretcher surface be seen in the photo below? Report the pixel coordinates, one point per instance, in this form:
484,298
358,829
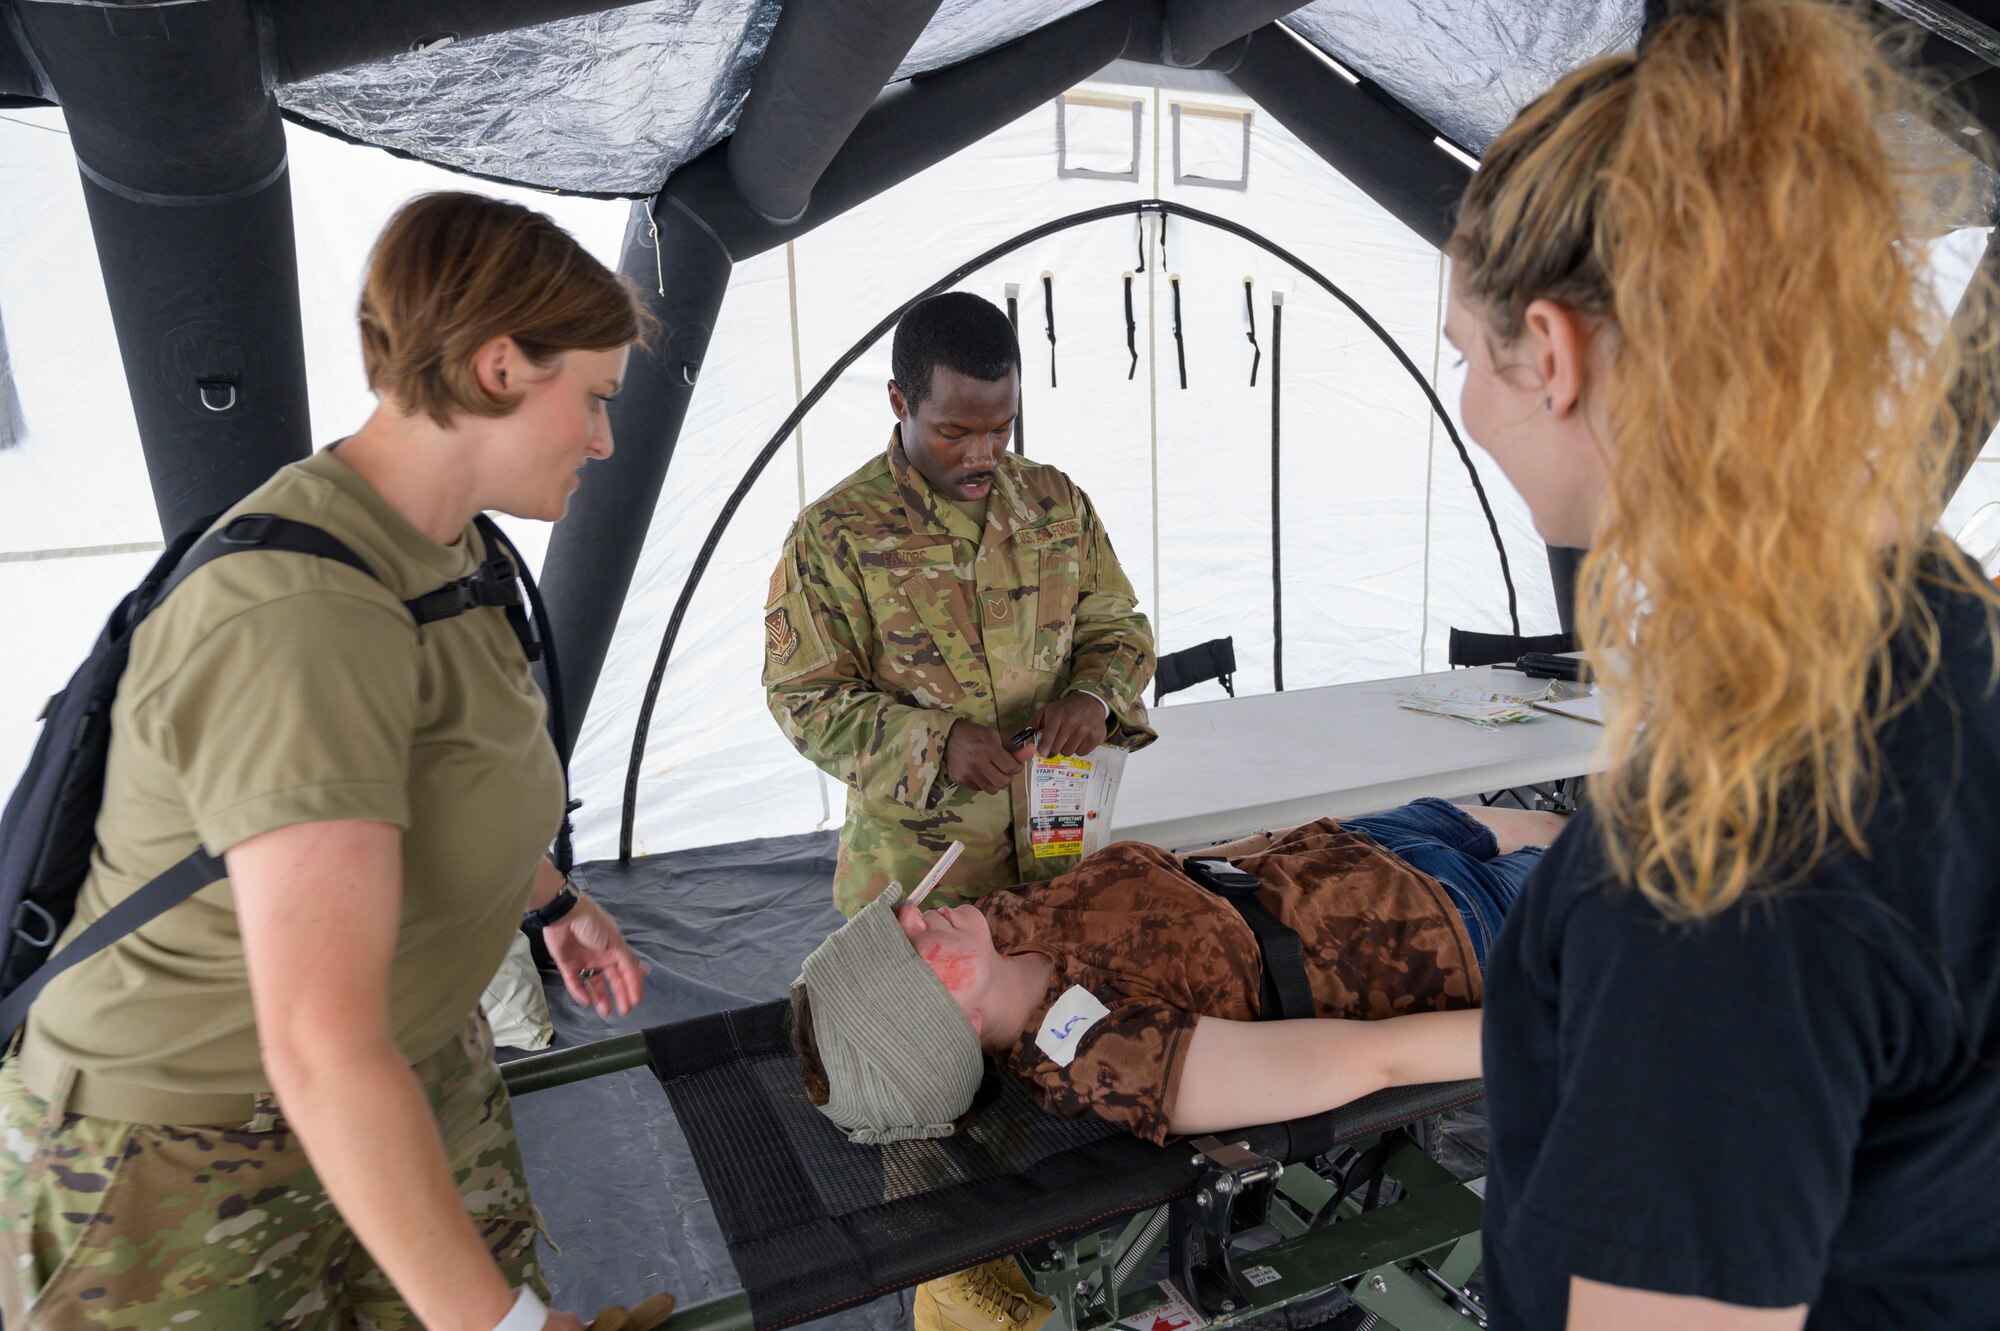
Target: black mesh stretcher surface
815,1224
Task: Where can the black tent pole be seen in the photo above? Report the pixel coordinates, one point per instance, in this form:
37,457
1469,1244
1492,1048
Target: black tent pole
826,62
182,153
594,550
1563,564
1197,30
1277,496
20,85
1358,129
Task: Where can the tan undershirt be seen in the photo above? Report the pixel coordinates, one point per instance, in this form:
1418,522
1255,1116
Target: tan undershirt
972,508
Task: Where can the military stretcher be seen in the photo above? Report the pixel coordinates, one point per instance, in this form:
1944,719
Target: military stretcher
1296,1218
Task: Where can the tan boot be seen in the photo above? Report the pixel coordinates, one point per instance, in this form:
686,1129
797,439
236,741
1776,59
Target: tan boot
993,1297
648,1314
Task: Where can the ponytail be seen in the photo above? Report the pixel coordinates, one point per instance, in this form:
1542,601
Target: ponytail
1780,431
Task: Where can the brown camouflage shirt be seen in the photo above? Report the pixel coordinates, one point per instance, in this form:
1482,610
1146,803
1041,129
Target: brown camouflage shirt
1158,951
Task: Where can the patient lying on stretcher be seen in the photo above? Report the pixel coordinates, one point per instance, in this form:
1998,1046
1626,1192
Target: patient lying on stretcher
1127,991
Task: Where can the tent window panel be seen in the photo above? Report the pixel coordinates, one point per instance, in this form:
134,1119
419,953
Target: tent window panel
1211,145
1098,136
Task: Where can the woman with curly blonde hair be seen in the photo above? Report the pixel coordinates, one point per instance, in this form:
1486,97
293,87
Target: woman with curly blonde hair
1742,1027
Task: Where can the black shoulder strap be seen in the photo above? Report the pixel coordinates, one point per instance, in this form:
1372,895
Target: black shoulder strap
171,888
261,531
545,651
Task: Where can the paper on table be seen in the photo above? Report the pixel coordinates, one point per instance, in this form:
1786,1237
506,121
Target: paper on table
1472,706
1588,708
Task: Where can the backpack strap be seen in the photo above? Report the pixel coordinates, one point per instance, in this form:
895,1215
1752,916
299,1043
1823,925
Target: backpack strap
261,531
544,650
170,889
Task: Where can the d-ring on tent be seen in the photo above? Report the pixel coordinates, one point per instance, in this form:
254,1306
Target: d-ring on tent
195,183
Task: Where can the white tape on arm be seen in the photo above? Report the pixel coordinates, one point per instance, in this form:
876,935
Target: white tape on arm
529,1313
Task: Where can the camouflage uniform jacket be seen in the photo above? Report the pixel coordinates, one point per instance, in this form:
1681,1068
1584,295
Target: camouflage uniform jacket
1159,951
891,615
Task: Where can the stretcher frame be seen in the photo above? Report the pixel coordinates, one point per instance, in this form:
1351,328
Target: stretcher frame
1405,1261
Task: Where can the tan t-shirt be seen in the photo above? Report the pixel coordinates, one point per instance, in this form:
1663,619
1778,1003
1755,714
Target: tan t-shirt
275,688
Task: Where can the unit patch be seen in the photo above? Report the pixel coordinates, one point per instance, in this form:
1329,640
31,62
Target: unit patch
781,638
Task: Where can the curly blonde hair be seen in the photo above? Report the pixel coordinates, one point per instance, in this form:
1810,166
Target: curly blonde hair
1784,401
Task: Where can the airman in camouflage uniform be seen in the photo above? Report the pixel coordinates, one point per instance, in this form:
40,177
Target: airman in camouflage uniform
944,597
891,616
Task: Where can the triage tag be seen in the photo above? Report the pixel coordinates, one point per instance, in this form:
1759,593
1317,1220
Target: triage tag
1067,1020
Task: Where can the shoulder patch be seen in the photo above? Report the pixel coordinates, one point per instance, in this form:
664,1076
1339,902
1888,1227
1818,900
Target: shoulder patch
777,583
1067,1021
781,637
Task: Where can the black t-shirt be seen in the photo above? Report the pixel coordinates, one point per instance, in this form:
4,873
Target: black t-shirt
1797,1101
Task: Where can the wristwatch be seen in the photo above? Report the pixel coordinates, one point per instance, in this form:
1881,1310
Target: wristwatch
558,906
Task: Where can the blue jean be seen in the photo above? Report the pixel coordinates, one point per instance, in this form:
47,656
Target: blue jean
1459,851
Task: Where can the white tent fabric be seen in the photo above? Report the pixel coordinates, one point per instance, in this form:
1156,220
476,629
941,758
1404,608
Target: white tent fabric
1181,477
1384,548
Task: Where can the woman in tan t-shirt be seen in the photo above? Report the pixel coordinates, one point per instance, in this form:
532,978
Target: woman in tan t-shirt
276,1105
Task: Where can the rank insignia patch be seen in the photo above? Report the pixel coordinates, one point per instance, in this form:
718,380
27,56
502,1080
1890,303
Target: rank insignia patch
781,640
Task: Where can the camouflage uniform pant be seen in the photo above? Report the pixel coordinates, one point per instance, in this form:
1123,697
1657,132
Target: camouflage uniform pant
143,1227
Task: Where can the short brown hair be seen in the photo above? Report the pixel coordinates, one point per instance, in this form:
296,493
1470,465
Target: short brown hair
812,1072
452,271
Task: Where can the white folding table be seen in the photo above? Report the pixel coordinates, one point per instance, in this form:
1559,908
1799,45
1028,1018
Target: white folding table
1227,768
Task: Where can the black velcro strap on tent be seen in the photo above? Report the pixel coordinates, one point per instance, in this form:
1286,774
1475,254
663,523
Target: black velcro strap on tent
815,1224
1180,337
1049,320
1481,649
1132,324
1214,659
176,885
